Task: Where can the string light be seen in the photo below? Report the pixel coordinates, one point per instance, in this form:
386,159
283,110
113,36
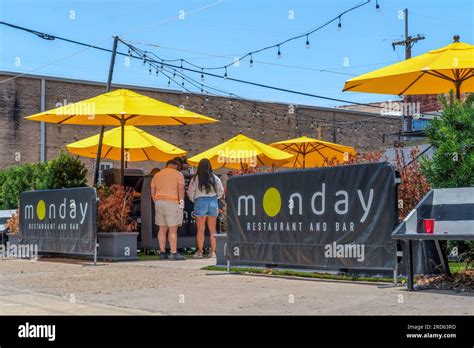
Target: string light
169,82
251,61
181,67
339,25
225,73
174,73
202,74
377,6
149,70
279,52
129,53
156,72
307,41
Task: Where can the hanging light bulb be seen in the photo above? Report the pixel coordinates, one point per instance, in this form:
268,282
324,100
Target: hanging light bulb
202,89
174,73
202,74
307,41
263,131
202,106
339,25
276,134
279,52
275,120
149,70
312,124
187,97
181,67
225,74
169,82
161,67
182,82
144,58
251,61
258,113
207,99
156,72
377,6
129,52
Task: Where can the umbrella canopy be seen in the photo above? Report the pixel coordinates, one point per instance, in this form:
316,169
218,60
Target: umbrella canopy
119,108
139,146
121,105
240,150
311,152
435,72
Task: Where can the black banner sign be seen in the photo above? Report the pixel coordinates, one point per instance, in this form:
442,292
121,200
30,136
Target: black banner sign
334,217
59,221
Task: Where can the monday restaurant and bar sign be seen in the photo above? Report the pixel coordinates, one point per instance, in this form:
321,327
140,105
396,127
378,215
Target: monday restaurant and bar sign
59,221
334,217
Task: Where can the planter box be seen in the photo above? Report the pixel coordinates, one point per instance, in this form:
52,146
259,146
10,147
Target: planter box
118,246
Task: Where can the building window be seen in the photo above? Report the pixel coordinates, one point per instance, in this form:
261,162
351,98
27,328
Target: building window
104,166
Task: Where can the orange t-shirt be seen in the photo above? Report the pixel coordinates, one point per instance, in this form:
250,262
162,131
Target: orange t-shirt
166,183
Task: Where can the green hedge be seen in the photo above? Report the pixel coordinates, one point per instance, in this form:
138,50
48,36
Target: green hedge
61,172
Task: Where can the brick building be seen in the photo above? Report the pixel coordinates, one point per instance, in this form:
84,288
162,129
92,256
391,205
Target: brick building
265,121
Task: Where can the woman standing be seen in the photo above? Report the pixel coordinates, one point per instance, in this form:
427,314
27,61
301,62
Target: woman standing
205,188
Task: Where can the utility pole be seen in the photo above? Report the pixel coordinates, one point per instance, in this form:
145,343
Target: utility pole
102,129
408,43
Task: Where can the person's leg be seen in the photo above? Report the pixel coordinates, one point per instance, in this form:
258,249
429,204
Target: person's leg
173,238
211,225
162,238
200,228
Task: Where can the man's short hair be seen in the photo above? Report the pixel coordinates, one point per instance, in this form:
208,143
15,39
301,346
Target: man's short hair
172,162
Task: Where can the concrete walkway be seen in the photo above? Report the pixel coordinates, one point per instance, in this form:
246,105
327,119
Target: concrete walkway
181,287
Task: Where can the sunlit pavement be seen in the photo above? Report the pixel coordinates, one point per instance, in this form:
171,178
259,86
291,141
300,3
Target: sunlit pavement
181,287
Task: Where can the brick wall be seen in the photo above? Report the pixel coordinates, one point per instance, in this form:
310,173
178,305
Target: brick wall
267,122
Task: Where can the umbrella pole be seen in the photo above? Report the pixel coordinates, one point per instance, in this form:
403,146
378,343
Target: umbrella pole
122,152
99,154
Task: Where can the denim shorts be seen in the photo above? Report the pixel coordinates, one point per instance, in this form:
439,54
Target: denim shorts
205,206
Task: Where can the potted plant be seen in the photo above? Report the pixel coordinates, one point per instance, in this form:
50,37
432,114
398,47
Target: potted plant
117,236
13,227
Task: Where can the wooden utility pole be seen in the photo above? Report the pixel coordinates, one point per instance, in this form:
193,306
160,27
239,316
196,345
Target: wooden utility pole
102,129
408,43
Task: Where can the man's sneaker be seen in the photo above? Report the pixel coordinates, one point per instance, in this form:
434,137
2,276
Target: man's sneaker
162,255
197,255
176,257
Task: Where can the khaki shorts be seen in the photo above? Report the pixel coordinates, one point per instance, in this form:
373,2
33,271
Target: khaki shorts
168,214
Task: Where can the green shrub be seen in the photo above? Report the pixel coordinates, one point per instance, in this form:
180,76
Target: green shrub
61,172
65,171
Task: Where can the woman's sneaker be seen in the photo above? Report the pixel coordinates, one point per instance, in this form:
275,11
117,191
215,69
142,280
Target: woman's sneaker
212,255
197,255
176,257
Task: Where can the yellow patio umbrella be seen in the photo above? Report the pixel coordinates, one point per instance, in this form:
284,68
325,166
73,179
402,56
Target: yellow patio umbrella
242,150
139,146
311,152
435,72
119,108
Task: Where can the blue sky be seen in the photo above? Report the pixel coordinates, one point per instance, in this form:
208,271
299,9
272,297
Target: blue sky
227,29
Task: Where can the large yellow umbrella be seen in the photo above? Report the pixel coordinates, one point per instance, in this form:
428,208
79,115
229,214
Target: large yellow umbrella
435,72
311,152
240,151
139,146
119,108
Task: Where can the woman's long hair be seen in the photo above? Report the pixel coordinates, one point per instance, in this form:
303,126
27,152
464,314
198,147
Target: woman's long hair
205,177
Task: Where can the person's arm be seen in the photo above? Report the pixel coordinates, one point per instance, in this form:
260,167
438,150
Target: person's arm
153,190
181,190
220,187
192,189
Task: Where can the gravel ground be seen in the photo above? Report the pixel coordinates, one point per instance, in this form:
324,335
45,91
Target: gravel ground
165,287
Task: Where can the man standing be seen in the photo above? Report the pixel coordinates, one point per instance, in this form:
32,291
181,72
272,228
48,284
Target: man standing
167,191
